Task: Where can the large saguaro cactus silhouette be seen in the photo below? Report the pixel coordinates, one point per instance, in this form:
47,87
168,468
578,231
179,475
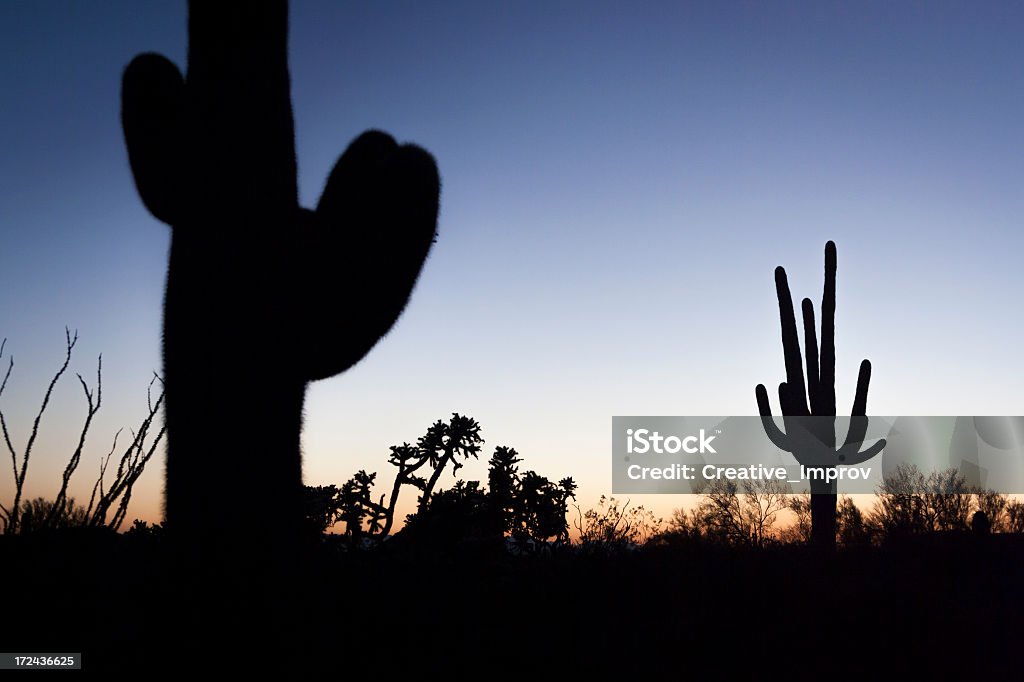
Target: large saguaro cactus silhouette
810,428
262,295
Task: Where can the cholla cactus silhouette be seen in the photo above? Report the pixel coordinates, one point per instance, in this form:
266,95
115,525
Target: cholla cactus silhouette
262,295
810,427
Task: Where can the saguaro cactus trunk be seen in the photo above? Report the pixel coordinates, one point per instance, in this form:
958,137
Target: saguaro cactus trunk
810,427
262,295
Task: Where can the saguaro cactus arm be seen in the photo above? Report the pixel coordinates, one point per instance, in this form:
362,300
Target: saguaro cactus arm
379,207
820,383
214,151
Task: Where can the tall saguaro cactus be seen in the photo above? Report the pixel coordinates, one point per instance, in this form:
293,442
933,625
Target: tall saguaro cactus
810,426
262,295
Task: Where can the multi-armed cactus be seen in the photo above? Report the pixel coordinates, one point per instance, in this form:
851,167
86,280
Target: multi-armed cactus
262,295
810,427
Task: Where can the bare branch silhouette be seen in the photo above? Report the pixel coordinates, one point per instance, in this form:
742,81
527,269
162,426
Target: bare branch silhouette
130,466
21,469
93,407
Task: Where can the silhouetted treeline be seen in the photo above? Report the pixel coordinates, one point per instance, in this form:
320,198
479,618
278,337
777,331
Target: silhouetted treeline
908,503
523,506
530,511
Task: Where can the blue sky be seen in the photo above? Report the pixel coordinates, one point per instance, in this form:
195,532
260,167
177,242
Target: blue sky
618,185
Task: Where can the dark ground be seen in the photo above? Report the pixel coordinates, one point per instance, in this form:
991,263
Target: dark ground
940,607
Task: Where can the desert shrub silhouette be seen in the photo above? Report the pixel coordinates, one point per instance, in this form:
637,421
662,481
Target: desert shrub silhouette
529,507
615,526
526,508
262,295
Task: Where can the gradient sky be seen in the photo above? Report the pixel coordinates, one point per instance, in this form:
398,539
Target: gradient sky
618,185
